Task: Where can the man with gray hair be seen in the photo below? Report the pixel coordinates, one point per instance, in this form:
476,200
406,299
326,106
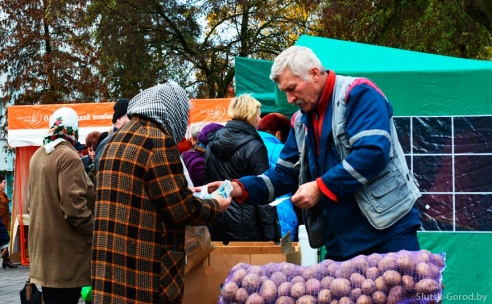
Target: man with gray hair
353,172
143,204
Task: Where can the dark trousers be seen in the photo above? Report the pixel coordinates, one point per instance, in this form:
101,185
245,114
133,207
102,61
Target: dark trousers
61,295
407,240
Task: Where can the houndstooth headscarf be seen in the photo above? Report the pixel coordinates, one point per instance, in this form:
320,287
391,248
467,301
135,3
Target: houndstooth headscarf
167,104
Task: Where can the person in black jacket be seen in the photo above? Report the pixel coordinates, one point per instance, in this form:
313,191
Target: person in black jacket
232,152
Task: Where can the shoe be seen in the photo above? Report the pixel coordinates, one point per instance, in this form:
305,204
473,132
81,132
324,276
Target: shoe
7,263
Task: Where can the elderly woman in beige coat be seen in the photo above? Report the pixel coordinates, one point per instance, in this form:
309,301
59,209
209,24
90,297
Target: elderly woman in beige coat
61,200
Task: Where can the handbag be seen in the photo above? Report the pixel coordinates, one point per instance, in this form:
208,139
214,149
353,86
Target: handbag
30,293
198,245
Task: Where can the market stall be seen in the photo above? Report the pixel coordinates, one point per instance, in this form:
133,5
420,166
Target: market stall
27,126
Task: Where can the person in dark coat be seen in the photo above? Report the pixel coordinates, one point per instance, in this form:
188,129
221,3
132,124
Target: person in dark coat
232,152
194,159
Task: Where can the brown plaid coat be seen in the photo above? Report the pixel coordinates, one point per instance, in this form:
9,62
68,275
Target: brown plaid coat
143,203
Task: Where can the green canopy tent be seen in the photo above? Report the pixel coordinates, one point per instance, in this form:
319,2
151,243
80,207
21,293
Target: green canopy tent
444,109
415,83
252,77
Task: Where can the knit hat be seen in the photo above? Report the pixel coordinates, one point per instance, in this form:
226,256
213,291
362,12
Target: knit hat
64,126
210,128
167,104
120,108
79,147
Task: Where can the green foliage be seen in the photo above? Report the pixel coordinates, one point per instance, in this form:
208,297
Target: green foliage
432,26
47,56
144,42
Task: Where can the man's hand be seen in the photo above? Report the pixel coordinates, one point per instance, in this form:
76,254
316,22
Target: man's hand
223,202
236,192
307,195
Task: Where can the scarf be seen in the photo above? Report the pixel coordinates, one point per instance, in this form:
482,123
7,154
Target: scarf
64,126
167,104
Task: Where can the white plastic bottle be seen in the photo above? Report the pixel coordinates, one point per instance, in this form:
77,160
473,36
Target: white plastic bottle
309,256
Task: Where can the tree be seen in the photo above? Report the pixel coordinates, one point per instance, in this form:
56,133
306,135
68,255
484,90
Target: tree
432,26
192,42
480,11
47,54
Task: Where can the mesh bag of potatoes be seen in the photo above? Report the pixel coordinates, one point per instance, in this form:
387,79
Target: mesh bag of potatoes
400,277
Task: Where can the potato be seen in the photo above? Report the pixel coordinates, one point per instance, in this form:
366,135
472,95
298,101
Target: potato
241,296
228,291
396,294
404,262
392,278
238,275
364,299
381,284
255,269
297,290
427,287
324,296
356,279
374,259
278,277
326,282
287,268
334,302
250,282
285,300
326,263
372,273
379,297
435,272
340,287
368,287
421,256
270,268
423,270
345,270
332,268
387,263
322,269
311,272
255,298
240,266
268,291
297,279
437,260
345,300
355,293
284,289
263,278
408,283
360,264
313,286
307,299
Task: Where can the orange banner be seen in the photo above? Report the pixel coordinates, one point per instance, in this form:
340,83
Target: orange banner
210,110
100,114
37,116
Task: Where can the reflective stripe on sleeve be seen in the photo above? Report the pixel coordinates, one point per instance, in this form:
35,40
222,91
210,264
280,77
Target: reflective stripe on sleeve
269,185
285,163
379,132
354,173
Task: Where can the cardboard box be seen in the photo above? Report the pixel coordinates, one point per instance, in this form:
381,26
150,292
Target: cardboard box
202,284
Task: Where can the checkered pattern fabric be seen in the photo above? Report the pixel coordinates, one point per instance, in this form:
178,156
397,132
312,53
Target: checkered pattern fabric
167,104
143,204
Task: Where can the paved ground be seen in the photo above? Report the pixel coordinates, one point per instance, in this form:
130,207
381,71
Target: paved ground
11,282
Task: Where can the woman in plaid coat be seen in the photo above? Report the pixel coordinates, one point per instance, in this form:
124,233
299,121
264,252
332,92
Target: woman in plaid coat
143,204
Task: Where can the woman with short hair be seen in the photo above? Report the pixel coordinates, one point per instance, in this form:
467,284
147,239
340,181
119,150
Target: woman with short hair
232,152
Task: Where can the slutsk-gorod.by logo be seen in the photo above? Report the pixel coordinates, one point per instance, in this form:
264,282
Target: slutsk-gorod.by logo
453,297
